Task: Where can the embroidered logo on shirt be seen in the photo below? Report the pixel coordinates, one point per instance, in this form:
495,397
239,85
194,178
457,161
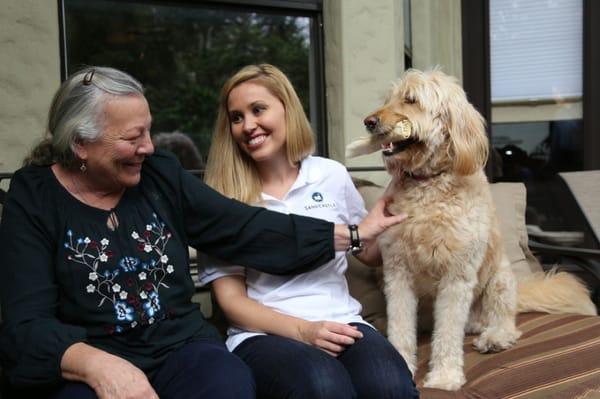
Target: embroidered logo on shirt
318,198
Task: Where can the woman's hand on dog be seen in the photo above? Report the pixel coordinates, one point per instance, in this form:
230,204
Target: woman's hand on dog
329,336
378,220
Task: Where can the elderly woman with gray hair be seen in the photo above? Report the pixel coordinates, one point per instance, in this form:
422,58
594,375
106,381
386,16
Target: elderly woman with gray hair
95,288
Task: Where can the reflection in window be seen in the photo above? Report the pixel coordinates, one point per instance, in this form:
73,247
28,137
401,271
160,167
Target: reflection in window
536,75
183,53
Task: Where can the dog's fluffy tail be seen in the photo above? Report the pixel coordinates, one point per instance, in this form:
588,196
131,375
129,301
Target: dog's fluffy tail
554,292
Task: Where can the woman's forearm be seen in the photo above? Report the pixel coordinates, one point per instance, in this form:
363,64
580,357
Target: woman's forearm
375,223
108,375
245,312
77,361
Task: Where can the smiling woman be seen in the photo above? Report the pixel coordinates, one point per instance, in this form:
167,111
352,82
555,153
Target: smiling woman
257,121
262,140
113,161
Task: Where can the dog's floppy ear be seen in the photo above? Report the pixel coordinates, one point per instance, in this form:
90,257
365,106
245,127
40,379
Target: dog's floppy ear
468,140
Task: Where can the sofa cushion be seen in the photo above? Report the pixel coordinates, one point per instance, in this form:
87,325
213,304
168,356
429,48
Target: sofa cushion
510,200
555,358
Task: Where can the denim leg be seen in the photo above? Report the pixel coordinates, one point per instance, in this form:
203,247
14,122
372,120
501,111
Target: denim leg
203,369
377,370
72,390
287,369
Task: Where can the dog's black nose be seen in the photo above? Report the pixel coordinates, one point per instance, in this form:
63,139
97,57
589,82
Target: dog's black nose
371,122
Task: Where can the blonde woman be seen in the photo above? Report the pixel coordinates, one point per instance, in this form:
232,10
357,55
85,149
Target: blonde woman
302,336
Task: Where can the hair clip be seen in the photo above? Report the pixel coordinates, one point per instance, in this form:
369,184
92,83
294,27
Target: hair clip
87,78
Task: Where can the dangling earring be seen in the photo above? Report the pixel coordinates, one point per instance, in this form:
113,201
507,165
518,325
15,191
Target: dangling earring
83,168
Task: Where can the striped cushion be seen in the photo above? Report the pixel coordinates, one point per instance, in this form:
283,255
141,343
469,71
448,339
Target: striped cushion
557,357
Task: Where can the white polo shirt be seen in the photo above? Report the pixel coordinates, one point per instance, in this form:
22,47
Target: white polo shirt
323,189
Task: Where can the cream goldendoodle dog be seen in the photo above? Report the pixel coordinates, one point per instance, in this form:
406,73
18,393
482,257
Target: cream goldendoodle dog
450,249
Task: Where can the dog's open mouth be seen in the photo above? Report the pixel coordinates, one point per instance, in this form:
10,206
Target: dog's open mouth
402,132
397,146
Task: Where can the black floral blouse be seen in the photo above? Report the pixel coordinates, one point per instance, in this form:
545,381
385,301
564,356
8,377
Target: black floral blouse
119,280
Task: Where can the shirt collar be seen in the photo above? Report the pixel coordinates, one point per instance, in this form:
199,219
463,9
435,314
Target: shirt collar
309,173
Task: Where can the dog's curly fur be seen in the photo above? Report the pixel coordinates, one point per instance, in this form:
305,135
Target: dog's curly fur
450,247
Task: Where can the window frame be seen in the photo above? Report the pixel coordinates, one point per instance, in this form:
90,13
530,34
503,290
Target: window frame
308,8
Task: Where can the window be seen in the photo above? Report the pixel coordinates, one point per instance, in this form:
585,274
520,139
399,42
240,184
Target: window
547,135
536,91
184,51
536,50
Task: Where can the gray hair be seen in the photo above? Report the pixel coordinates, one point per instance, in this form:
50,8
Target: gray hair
76,112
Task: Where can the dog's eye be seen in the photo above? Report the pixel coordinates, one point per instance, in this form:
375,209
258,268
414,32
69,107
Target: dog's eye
409,100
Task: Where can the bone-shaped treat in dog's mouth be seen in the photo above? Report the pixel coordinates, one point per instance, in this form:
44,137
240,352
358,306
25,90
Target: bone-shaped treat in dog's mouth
369,144
402,129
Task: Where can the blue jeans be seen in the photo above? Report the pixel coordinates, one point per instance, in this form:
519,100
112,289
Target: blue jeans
285,368
201,369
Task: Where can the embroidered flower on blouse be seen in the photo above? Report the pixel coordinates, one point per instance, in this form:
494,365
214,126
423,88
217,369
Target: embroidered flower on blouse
93,276
116,288
123,311
123,294
103,257
152,305
104,242
135,235
170,269
147,248
143,295
129,263
142,276
164,259
90,288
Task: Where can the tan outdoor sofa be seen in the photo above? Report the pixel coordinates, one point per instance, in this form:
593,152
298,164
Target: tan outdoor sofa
557,356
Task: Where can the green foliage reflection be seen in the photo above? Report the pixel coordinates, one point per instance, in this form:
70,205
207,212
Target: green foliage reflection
183,55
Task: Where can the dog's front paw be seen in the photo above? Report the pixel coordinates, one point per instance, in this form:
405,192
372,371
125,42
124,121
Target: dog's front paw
449,379
496,340
474,327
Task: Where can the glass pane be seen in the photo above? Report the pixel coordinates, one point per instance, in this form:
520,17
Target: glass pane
184,53
536,67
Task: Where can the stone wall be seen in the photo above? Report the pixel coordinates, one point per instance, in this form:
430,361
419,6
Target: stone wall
364,54
29,75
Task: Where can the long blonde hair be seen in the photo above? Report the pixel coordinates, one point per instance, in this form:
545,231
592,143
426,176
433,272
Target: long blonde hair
230,170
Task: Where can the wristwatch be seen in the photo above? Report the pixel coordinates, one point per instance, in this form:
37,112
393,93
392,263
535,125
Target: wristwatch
356,245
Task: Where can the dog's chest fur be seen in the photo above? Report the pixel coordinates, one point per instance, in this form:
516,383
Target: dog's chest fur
448,225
